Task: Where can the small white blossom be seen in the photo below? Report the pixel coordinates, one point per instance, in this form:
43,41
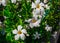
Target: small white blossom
13,1
36,35
3,2
46,6
55,34
34,22
45,1
37,4
48,28
20,33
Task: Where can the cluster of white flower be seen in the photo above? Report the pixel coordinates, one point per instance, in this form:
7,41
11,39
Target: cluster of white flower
38,12
4,2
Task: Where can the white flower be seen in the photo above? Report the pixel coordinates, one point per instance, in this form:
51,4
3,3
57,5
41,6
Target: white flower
3,2
38,13
13,1
46,6
45,1
36,35
55,34
34,22
20,33
48,28
37,4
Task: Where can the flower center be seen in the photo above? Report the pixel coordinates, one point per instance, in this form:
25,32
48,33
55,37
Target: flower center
37,6
19,32
33,20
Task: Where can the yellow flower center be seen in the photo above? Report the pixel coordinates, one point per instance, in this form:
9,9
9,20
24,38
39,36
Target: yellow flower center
37,6
19,32
33,20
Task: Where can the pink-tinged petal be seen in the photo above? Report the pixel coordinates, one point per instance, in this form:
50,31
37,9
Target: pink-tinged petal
14,31
36,24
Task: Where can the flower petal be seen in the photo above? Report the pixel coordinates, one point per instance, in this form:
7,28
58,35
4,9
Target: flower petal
46,6
40,16
16,37
36,24
37,11
39,21
42,11
28,20
27,34
3,2
13,1
41,4
48,28
22,36
24,31
45,1
14,31
31,25
33,5
19,27
37,1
